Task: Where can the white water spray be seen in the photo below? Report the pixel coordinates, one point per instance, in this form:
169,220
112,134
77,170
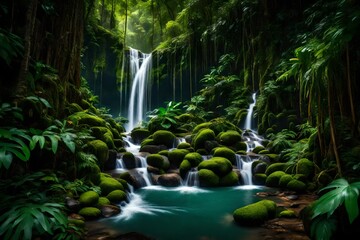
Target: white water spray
248,120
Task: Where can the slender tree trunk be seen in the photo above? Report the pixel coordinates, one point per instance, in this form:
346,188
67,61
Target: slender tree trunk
350,91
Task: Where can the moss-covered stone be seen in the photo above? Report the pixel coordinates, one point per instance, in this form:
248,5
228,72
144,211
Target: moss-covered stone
273,179
129,160
176,156
89,198
219,165
296,185
240,146
287,214
306,167
218,125
241,152
184,145
229,138
226,153
230,179
254,214
148,141
90,212
259,178
83,118
76,222
265,151
164,153
156,160
257,149
273,157
201,137
284,180
117,196
99,149
185,167
208,178
275,167
163,137
194,158
103,201
139,134
108,185
202,151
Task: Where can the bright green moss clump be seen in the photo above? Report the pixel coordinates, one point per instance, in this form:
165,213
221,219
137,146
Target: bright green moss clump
203,136
230,179
219,165
108,185
176,156
185,166
103,201
284,180
226,153
99,149
255,214
194,158
229,138
117,196
306,167
208,178
163,137
89,198
274,178
90,212
275,167
156,160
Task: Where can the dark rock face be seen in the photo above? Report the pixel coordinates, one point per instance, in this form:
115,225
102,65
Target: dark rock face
110,164
110,210
170,180
153,148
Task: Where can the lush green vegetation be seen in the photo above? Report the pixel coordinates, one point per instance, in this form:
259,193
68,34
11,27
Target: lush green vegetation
301,57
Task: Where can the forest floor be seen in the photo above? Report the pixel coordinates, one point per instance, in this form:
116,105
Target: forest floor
275,229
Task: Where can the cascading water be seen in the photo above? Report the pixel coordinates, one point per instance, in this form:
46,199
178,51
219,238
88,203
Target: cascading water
140,66
249,116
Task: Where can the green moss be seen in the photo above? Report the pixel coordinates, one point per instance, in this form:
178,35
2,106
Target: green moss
76,222
139,134
176,156
164,153
89,198
241,152
117,196
184,145
108,185
265,151
229,138
90,212
273,157
240,146
156,160
275,167
99,149
251,215
287,214
306,167
185,166
259,178
147,141
296,185
103,201
270,206
203,136
300,177
284,180
129,160
219,165
194,158
226,153
163,137
202,151
230,179
208,178
83,118
273,179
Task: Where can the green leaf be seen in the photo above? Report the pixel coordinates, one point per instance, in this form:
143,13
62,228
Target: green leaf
54,143
5,159
351,203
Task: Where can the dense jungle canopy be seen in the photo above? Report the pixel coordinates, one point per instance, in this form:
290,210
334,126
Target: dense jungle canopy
65,80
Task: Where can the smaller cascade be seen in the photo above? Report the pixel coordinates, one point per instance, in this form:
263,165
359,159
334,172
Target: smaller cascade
248,120
243,163
192,178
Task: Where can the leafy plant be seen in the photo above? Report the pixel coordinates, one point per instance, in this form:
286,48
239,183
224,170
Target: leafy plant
166,116
281,140
341,194
11,46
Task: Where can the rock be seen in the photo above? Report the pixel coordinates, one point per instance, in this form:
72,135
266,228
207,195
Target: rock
152,148
72,204
110,210
170,180
110,164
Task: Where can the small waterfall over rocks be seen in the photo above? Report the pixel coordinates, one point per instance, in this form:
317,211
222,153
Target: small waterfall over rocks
249,116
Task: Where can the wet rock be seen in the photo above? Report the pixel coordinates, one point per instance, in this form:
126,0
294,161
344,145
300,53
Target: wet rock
170,180
110,163
72,204
153,148
110,210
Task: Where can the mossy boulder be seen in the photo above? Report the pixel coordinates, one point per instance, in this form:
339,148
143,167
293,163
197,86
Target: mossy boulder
90,213
230,179
259,178
284,180
89,198
219,165
83,118
139,134
99,149
117,196
158,161
273,179
201,137
164,137
226,153
218,125
306,167
275,167
164,153
257,149
76,222
255,214
129,160
184,145
176,156
108,185
296,185
208,178
185,167
147,141
229,138
240,146
103,201
194,158
287,214
259,166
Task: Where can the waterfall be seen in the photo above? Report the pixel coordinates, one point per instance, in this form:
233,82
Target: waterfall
140,66
244,163
192,178
248,120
